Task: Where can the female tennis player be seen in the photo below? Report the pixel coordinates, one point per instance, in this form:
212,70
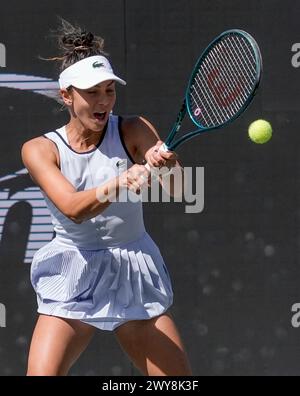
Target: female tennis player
102,270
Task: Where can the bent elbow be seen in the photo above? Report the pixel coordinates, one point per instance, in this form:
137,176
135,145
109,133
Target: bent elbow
73,216
75,220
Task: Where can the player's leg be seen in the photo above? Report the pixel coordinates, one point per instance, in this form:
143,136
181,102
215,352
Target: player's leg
56,344
154,346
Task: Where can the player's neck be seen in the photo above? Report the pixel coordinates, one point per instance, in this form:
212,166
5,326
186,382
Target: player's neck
80,138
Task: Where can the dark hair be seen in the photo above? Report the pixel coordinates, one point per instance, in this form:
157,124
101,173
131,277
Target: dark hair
75,44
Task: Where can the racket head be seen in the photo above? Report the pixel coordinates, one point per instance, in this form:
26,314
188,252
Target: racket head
224,80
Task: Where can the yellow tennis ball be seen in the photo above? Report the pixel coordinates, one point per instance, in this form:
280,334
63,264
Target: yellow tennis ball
260,131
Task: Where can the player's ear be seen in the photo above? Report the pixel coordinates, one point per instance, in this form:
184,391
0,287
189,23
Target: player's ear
67,96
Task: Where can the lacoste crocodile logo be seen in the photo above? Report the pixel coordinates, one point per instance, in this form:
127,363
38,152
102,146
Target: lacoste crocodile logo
98,64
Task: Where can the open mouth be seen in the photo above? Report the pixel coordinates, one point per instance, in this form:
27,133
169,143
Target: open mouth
100,116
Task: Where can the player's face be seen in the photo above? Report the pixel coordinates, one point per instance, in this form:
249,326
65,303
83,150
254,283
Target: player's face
92,106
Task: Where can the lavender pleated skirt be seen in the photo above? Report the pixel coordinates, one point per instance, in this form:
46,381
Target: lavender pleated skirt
104,288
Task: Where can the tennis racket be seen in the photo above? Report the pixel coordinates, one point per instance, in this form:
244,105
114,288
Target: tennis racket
221,87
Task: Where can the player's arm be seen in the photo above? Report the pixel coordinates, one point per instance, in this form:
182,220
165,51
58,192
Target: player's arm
40,157
147,143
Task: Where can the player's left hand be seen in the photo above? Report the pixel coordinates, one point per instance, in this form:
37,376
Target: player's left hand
158,159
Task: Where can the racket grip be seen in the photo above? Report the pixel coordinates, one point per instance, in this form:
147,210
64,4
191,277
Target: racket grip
148,167
163,148
156,172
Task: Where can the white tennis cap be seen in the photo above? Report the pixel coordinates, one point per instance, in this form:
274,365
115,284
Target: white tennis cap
88,72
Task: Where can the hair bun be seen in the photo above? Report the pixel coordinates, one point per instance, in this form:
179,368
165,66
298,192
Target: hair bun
85,39
76,43
88,39
67,40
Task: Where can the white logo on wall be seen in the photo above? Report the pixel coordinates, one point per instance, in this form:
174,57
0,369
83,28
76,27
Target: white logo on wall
41,230
40,85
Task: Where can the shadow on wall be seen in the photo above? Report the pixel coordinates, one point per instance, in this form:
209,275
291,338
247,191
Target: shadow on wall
15,290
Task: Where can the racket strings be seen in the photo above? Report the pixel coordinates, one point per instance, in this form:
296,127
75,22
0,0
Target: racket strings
246,69
229,78
224,82
232,70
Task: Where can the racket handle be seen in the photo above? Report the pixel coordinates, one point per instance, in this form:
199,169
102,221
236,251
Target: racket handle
163,148
156,172
148,167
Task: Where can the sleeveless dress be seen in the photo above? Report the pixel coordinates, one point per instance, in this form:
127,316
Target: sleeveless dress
107,270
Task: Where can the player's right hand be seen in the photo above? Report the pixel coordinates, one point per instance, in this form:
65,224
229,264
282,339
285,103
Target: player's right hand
135,178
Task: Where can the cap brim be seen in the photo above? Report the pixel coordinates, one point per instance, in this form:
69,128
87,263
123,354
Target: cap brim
94,80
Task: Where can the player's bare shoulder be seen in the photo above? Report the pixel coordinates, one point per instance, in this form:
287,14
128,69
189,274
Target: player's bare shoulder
39,148
139,134
129,132
135,125
130,126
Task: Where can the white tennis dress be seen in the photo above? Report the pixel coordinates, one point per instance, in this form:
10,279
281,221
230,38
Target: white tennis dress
106,270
